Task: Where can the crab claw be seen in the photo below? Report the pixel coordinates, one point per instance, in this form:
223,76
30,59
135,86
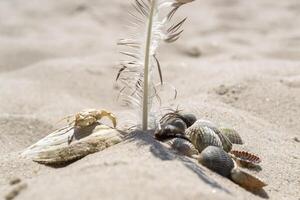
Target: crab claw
112,117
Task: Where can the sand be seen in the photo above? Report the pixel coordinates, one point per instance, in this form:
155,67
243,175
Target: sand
237,64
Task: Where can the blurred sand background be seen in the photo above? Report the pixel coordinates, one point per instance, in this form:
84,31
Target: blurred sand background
237,64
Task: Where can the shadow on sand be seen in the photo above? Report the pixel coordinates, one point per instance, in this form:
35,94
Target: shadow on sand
163,153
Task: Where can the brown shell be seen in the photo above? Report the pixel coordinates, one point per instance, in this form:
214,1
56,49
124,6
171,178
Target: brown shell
226,144
246,157
246,180
232,135
202,137
216,159
183,146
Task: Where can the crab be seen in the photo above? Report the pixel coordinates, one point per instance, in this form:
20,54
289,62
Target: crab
89,117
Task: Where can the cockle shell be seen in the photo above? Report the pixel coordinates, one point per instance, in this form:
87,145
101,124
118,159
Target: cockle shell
226,144
202,137
246,180
179,123
183,147
232,135
245,159
216,159
58,148
189,119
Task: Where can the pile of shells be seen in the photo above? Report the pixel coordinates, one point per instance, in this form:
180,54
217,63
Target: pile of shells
211,146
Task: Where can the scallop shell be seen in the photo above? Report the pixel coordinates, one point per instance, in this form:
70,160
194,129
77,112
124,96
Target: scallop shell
202,137
183,147
245,159
216,159
246,180
56,148
232,135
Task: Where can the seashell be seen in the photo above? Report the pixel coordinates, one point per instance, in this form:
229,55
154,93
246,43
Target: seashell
179,123
216,159
169,131
183,147
56,148
189,119
232,135
245,159
226,144
246,180
202,137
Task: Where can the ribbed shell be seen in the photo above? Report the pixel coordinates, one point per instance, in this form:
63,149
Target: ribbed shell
216,159
202,137
246,180
232,135
183,146
226,144
245,159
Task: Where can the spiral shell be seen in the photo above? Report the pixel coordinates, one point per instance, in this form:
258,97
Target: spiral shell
232,135
246,180
202,137
245,159
216,159
183,146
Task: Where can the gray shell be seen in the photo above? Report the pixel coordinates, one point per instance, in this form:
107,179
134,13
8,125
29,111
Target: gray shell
246,180
226,143
179,123
232,135
202,136
183,147
216,159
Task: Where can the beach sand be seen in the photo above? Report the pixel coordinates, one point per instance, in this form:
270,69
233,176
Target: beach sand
237,64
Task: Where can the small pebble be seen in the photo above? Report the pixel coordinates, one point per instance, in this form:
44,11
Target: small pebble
14,181
222,90
15,191
296,139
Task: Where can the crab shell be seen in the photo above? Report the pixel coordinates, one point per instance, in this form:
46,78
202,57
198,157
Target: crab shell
216,159
245,159
202,137
226,144
232,135
246,180
183,146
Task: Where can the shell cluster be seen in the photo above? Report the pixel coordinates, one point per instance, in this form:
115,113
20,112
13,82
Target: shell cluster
211,146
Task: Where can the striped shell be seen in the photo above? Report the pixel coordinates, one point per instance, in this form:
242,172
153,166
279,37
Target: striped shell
183,146
232,135
226,144
246,180
216,159
202,137
245,159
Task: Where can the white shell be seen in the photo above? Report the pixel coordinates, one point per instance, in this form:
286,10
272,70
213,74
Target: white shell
59,147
